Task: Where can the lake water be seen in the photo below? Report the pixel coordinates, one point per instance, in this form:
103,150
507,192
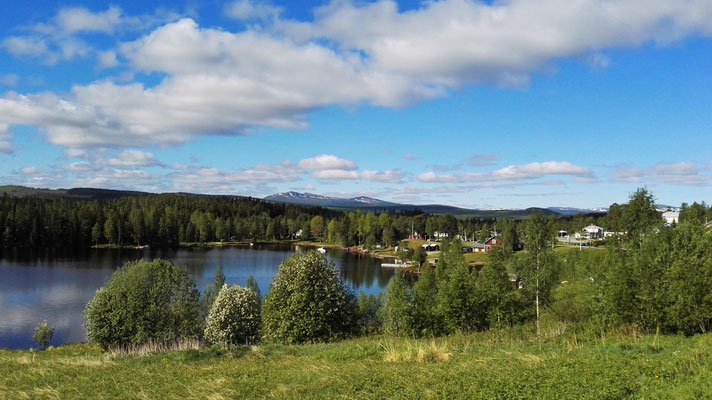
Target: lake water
56,286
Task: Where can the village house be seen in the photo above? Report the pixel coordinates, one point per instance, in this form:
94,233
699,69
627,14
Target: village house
593,232
671,216
487,245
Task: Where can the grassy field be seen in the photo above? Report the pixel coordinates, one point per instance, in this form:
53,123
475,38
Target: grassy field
496,364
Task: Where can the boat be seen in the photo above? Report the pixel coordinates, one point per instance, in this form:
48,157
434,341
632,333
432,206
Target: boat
321,250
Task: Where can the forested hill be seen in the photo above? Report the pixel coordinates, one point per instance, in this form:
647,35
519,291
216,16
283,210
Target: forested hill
155,219
68,194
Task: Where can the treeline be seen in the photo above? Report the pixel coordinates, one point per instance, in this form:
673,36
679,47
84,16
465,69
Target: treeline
657,278
168,220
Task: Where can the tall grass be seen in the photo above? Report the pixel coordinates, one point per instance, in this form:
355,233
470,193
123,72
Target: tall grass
154,347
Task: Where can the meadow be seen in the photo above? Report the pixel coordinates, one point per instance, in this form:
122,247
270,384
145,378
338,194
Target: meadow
565,362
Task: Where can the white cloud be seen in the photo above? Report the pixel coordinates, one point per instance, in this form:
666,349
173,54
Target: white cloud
107,59
411,157
221,82
5,138
681,173
389,176
335,174
134,158
79,19
536,170
9,80
512,173
455,42
250,10
326,162
21,46
212,177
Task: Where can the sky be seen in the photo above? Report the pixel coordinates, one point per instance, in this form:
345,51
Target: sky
478,104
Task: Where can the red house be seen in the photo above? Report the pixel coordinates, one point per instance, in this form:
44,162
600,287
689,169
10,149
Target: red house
491,242
487,245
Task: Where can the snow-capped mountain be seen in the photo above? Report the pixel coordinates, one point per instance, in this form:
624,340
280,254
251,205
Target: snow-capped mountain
327,201
574,210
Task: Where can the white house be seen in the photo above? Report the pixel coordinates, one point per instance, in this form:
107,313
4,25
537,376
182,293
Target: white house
671,217
593,231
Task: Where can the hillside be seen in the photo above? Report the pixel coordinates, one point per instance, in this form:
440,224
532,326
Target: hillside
68,194
370,204
508,364
364,203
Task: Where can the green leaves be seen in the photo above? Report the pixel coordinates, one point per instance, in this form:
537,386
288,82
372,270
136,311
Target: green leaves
307,302
43,334
234,318
144,301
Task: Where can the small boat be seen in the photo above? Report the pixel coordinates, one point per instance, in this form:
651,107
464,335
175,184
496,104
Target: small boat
321,250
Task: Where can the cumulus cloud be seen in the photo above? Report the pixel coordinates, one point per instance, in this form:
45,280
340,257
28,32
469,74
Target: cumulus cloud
681,173
107,59
455,42
335,174
326,162
59,39
5,138
214,178
221,82
134,158
79,19
83,174
388,176
250,10
21,46
512,173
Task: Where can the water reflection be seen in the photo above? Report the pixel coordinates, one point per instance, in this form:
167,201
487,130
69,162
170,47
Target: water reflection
56,285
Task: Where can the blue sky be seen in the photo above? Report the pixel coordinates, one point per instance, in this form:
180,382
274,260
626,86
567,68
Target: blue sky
503,104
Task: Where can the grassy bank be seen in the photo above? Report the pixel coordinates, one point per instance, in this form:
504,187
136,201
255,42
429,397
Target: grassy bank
504,364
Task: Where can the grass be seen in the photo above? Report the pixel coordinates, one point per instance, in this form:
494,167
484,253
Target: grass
495,364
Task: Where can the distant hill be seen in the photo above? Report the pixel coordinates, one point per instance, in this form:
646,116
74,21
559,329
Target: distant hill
68,194
306,199
574,211
370,204
326,201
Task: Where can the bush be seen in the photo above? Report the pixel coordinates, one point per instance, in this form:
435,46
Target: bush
307,302
144,301
234,317
396,312
369,307
43,334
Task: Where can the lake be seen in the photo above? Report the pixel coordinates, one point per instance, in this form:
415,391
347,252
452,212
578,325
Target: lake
49,284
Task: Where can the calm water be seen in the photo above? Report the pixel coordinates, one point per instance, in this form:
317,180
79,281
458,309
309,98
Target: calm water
51,285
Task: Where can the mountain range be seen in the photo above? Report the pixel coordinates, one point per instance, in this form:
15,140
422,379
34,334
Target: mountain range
364,203
370,204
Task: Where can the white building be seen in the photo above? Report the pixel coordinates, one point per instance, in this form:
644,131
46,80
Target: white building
593,231
671,217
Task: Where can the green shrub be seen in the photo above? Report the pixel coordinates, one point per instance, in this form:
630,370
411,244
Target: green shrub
369,311
43,334
426,321
396,312
234,317
144,301
308,301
